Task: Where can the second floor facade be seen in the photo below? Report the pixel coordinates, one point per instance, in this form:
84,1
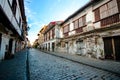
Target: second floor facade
13,16
92,16
41,35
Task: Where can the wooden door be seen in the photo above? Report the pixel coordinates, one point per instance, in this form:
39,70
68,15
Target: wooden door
53,46
117,47
108,48
10,45
0,40
80,47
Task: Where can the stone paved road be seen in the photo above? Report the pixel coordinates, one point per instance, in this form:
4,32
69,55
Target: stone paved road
14,69
47,67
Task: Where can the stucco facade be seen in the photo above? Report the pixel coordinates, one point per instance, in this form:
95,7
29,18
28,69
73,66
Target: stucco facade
92,31
86,31
51,35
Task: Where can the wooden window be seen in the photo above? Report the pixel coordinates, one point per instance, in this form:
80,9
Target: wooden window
118,2
103,11
108,9
112,7
49,35
97,14
53,33
82,21
45,37
76,25
66,29
14,6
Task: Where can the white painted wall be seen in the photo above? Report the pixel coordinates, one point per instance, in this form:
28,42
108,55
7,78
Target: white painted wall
5,41
57,31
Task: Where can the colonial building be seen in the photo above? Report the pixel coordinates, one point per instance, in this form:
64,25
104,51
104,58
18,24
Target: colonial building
41,37
51,36
93,30
13,27
35,44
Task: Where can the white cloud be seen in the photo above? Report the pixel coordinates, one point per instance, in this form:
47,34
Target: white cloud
32,23
29,13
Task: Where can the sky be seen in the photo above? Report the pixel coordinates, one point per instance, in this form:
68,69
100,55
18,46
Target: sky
41,12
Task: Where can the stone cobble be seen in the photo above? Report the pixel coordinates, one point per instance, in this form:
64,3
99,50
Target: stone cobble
48,67
14,69
108,65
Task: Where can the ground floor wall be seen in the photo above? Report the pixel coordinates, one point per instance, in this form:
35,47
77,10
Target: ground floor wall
9,44
4,43
94,45
49,45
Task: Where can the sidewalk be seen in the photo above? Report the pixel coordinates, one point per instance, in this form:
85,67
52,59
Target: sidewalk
14,69
107,65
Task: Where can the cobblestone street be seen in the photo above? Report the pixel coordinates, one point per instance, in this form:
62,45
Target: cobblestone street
48,67
14,69
44,66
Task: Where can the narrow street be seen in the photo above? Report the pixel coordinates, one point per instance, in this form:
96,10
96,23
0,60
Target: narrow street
33,64
44,66
60,40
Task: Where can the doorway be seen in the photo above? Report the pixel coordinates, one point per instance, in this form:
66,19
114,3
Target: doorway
112,47
80,47
48,46
53,46
10,45
0,40
117,47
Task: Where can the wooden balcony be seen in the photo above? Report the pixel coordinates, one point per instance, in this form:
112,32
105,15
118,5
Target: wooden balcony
110,20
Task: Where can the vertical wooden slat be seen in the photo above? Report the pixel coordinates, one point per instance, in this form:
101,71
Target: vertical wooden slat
113,47
110,20
79,30
118,3
117,47
97,14
108,47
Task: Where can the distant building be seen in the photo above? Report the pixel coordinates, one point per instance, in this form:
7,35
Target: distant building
13,27
51,36
41,37
93,30
35,44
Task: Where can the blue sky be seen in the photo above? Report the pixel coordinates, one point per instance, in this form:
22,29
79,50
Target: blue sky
41,12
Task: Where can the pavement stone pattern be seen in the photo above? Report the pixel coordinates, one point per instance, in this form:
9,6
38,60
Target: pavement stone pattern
48,67
14,69
108,65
